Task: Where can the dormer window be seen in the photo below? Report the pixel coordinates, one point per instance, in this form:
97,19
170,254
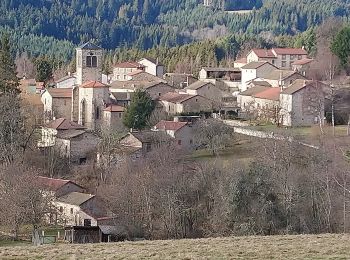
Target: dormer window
91,60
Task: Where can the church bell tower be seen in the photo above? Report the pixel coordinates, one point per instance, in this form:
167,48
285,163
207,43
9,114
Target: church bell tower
89,58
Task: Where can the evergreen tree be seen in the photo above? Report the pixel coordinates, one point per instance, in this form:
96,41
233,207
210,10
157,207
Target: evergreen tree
8,76
139,111
341,46
43,69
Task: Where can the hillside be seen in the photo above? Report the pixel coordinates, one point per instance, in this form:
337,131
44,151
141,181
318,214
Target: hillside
60,24
273,247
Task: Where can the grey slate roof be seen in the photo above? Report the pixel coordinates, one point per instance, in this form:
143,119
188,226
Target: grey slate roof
68,134
255,64
150,136
198,84
75,198
89,46
280,74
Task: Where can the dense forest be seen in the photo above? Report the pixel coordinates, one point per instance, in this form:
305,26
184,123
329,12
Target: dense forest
144,24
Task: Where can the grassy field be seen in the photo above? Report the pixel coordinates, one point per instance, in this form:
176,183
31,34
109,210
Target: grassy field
274,247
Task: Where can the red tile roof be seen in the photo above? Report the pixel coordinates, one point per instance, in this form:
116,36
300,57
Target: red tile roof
289,51
93,84
270,93
64,124
175,97
50,183
129,64
60,92
114,108
170,125
264,53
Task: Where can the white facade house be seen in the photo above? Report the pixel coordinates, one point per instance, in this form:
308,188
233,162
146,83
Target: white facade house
253,70
79,209
153,67
66,82
282,58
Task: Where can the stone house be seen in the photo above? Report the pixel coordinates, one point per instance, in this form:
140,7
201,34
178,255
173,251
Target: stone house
303,66
280,57
145,141
303,103
57,102
80,209
121,70
153,67
282,78
205,89
123,91
179,80
58,187
70,139
113,117
140,75
266,99
182,132
253,70
246,99
176,103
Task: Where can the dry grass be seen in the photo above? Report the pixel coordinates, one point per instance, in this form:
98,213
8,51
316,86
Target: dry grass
274,247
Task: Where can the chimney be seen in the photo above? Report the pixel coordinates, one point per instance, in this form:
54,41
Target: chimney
157,61
303,47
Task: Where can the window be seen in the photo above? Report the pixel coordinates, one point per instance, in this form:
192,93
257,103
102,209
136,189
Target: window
179,142
66,148
284,64
61,209
87,222
148,147
91,61
191,141
120,115
299,57
284,57
273,62
196,99
97,113
124,76
71,211
159,94
65,102
82,160
292,57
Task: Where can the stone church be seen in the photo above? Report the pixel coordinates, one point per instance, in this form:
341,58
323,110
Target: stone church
91,105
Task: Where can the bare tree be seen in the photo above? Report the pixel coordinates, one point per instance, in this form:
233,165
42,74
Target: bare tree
213,134
22,201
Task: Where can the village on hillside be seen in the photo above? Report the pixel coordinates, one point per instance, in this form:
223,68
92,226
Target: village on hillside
271,86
